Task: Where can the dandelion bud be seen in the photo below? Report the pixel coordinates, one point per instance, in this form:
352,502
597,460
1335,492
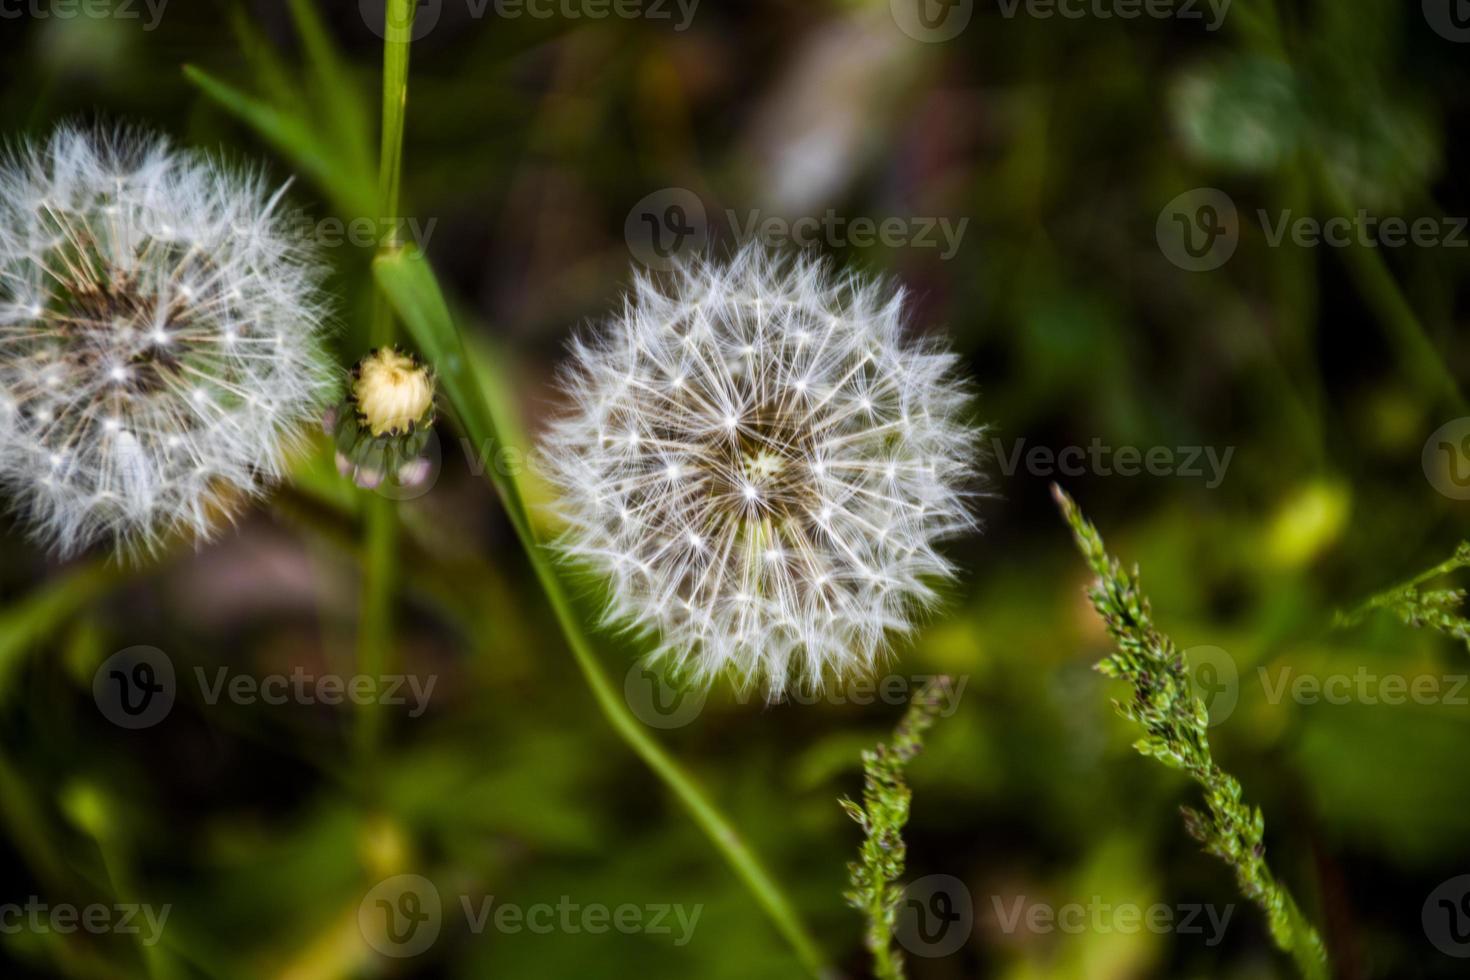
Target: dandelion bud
384,425
160,339
392,392
763,466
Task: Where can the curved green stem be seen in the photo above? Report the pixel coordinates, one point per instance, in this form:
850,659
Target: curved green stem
405,277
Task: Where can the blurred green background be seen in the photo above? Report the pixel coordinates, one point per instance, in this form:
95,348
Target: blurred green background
537,149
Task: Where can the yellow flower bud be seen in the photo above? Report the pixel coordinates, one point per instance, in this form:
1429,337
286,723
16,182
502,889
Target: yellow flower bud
393,391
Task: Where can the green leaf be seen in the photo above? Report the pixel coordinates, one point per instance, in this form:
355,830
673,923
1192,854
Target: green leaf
293,135
343,108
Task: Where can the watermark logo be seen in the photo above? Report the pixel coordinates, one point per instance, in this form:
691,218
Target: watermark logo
665,226
1181,10
89,9
571,917
401,916
1215,679
679,12
1446,459
1364,686
932,21
124,919
1446,917
361,232
656,702
424,14
1096,459
1199,230
1449,18
1102,917
1363,229
135,688
416,477
660,704
671,224
935,916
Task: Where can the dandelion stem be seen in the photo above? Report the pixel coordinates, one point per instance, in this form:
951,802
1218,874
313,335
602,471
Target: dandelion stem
375,620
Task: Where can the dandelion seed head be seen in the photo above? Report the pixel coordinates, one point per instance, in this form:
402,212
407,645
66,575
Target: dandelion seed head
819,459
138,283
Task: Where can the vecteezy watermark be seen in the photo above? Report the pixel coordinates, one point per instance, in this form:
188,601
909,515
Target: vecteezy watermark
672,223
1215,678
89,9
1018,914
665,226
679,13
1363,229
1363,686
1200,229
935,916
359,232
1446,917
1446,459
1187,462
932,21
124,919
403,916
1183,10
490,455
295,225
660,703
838,231
137,687
1449,18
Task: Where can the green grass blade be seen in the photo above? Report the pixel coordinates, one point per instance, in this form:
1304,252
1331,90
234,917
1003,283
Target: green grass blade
333,83
292,135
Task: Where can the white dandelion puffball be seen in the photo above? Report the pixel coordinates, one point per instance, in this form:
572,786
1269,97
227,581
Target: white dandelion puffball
160,338
763,465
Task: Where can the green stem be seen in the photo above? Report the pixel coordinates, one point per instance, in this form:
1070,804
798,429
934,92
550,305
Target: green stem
1260,22
880,943
406,278
375,618
154,960
705,813
1416,353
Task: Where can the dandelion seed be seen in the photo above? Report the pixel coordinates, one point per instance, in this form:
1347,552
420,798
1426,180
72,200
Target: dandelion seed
123,265
830,457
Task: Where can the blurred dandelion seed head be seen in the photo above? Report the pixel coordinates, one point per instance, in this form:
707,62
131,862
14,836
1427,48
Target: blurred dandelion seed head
763,466
160,338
